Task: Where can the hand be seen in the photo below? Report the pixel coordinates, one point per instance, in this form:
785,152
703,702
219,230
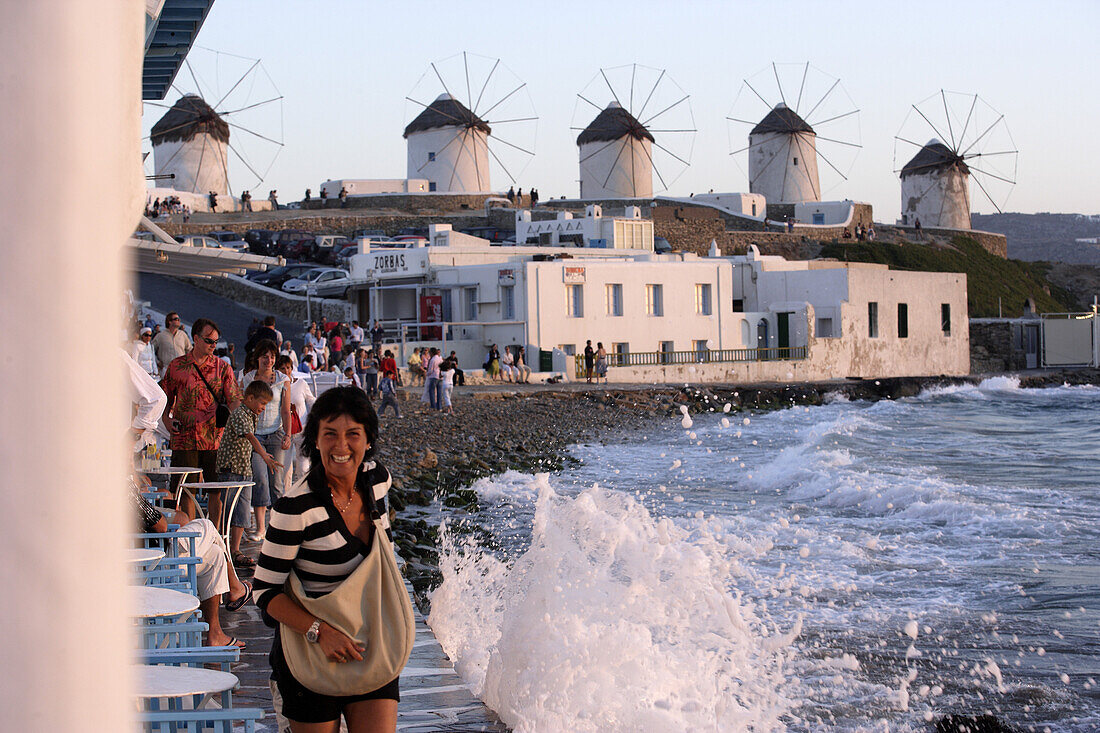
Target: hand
286,442
271,462
174,426
338,647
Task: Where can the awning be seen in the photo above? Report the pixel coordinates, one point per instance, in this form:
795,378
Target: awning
186,261
169,35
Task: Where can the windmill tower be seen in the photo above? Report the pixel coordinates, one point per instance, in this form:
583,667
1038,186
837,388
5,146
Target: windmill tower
449,145
935,188
616,154
784,146
783,158
190,144
971,144
643,128
452,142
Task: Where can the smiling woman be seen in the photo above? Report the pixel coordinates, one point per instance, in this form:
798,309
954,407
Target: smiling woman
322,538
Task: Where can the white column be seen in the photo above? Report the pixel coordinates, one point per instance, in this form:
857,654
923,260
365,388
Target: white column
70,191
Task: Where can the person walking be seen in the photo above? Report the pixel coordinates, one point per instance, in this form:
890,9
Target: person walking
199,386
447,381
388,390
172,342
370,373
589,360
301,400
433,384
272,431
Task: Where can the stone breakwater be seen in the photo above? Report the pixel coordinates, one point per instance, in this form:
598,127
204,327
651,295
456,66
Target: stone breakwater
435,457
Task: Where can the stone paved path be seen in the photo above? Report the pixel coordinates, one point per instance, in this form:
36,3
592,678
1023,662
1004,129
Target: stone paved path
433,698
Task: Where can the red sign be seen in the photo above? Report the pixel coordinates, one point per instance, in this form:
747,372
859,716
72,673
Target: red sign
431,311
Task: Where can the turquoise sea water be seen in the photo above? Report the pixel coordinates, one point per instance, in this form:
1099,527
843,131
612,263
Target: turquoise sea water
854,566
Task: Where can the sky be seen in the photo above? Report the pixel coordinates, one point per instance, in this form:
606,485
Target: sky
344,69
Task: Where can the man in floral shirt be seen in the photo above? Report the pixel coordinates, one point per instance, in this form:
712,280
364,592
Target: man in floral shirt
192,405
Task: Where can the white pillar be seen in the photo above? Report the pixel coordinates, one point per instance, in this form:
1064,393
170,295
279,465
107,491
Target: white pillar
70,191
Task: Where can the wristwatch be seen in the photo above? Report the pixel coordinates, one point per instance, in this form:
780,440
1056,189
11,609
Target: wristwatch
313,634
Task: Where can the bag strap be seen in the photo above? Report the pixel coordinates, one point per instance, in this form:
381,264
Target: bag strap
203,378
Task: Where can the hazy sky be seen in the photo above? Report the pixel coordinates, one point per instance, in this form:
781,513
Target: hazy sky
345,67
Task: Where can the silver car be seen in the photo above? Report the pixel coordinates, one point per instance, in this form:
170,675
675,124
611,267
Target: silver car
321,282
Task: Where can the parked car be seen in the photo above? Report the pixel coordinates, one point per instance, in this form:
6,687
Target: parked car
411,240
342,255
323,246
321,281
228,239
276,276
368,234
260,241
493,234
413,232
287,237
198,240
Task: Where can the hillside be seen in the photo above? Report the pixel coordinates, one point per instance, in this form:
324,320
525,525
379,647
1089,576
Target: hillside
989,278
1047,237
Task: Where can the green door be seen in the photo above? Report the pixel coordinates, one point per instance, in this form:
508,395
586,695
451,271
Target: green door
784,330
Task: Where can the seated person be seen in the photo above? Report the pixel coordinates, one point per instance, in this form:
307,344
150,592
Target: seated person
416,366
215,573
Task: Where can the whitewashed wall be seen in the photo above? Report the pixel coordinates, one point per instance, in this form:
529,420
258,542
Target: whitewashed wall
200,165
773,172
940,198
621,169
461,162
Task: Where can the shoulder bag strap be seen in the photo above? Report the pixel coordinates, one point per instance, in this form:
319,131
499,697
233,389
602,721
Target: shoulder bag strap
203,378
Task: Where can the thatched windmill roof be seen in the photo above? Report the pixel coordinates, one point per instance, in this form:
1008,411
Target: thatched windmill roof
446,111
611,124
781,119
932,157
189,116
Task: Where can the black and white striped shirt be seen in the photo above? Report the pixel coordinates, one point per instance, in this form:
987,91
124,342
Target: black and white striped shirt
307,534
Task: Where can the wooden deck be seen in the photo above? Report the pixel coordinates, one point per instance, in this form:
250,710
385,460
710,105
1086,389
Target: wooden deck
433,698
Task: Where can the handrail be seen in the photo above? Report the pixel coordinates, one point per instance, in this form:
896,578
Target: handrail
708,356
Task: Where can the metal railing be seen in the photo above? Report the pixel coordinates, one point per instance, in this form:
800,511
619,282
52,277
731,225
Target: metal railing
709,356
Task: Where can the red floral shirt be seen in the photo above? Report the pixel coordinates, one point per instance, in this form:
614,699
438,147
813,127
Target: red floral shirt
188,395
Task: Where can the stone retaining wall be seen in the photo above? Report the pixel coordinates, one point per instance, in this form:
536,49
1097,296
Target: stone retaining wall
417,203
994,244
391,224
274,302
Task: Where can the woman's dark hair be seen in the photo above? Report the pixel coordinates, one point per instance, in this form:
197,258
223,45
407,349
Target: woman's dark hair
281,361
348,401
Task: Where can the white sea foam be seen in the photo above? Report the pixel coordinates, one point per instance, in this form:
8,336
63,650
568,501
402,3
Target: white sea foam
613,620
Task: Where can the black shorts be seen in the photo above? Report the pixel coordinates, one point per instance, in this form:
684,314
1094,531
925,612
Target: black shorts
303,705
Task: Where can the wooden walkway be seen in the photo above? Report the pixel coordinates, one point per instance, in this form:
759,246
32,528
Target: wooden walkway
433,698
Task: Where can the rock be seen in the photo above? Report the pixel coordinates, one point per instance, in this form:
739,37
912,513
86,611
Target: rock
430,460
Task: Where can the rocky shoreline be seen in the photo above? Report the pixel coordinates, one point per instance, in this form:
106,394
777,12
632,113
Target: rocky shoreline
433,456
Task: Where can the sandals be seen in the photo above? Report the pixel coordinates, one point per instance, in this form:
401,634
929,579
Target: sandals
238,604
242,560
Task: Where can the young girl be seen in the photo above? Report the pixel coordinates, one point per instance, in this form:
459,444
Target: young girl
447,375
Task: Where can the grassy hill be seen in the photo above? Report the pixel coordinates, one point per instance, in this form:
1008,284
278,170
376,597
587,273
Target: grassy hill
988,277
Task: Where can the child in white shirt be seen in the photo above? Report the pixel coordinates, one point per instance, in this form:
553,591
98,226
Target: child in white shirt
447,375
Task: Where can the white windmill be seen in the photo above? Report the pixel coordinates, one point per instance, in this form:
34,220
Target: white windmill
644,126
936,175
454,142
194,140
809,119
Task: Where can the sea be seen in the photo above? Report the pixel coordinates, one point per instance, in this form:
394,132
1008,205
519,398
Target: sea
854,566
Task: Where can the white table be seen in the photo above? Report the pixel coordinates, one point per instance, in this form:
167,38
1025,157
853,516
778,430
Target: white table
149,602
145,556
183,472
232,489
154,681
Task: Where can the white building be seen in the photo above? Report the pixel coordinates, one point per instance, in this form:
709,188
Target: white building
935,188
190,144
629,231
368,186
669,317
616,156
449,145
783,158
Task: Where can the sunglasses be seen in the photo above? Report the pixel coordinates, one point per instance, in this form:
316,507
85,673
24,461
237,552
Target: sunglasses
212,342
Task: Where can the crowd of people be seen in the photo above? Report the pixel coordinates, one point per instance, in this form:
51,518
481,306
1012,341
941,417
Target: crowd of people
246,427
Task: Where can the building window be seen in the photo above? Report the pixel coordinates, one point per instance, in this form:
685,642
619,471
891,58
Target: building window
872,320
824,328
702,351
431,186
738,305
569,349
431,157
702,299
620,352
654,300
903,320
796,160
945,318
445,300
508,302
574,301
614,296
667,347
469,296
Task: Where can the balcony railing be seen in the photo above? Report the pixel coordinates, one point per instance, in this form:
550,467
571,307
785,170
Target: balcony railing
709,356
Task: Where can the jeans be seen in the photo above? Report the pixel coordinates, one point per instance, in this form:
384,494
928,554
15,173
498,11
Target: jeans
370,383
269,484
434,388
242,513
389,399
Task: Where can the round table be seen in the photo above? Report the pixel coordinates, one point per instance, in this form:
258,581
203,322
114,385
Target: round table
144,556
236,487
155,681
152,602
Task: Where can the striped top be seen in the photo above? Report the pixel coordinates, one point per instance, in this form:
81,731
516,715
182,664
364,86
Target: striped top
306,533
